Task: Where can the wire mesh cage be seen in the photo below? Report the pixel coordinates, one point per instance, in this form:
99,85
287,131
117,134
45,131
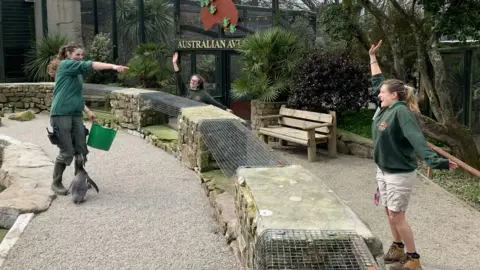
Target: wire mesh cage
312,249
233,145
167,103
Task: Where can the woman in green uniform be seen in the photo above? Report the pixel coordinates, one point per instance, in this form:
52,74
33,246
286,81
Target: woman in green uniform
68,104
196,91
396,136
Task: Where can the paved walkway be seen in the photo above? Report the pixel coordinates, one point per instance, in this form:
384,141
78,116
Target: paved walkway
151,213
446,230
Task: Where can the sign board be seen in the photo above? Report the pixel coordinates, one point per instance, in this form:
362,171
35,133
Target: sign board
209,44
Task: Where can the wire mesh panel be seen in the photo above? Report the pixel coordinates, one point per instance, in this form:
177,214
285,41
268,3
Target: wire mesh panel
233,145
167,103
99,89
312,249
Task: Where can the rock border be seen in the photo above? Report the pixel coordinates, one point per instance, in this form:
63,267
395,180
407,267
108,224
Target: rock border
352,144
26,173
13,235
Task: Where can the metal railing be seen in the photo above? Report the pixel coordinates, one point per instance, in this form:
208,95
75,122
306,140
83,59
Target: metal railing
460,163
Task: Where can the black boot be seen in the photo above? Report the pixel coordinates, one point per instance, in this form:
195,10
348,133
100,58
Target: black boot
57,185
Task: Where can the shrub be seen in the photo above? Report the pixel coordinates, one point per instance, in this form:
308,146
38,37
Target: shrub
268,58
101,50
148,66
330,81
358,122
40,55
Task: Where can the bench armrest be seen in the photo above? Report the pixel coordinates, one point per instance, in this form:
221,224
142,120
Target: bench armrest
266,117
317,126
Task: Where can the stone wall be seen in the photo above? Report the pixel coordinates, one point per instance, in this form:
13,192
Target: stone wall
130,112
260,108
352,144
192,149
17,97
19,160
290,198
36,97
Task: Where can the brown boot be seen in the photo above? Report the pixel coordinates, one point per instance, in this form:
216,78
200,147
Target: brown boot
394,254
408,263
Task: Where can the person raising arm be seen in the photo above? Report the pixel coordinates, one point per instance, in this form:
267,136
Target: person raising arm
196,91
396,137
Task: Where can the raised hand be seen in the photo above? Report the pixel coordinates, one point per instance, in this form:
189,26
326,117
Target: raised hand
175,57
374,48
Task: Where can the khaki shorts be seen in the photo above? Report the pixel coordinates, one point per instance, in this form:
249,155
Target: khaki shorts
395,189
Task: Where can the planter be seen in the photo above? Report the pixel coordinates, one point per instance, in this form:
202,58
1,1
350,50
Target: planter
260,108
241,108
353,144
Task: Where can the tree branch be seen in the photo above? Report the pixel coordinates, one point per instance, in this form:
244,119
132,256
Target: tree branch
412,9
375,11
410,17
432,128
385,23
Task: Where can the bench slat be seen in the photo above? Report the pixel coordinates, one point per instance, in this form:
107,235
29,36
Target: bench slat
290,134
297,123
312,116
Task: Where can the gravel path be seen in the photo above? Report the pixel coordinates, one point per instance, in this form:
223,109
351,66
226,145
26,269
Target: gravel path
446,230
151,213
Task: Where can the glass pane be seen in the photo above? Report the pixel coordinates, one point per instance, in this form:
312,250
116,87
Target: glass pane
235,67
475,90
205,67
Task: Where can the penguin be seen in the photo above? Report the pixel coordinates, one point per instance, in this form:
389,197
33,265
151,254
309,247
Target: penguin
81,183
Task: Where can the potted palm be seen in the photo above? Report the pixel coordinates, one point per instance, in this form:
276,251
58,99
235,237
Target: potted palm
268,58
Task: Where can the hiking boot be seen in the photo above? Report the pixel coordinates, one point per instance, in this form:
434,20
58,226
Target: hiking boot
394,254
408,263
57,185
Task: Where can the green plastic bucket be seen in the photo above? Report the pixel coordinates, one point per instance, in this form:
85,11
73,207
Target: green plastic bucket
101,137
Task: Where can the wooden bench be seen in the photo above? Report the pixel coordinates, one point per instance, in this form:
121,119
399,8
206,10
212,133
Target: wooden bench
302,127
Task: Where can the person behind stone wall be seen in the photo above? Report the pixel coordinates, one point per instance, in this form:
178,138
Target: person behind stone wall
396,136
67,106
197,90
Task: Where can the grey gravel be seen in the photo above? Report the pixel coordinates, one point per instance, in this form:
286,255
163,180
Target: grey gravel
151,213
446,230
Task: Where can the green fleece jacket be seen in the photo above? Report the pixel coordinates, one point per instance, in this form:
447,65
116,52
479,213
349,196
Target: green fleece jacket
67,92
198,95
397,136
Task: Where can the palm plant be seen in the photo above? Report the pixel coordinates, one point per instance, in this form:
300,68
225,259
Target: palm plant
148,66
268,57
40,55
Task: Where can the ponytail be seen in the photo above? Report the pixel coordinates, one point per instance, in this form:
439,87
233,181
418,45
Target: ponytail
404,92
411,99
61,55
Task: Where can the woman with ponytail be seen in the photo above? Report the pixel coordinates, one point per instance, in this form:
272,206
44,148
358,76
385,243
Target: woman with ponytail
397,136
68,104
